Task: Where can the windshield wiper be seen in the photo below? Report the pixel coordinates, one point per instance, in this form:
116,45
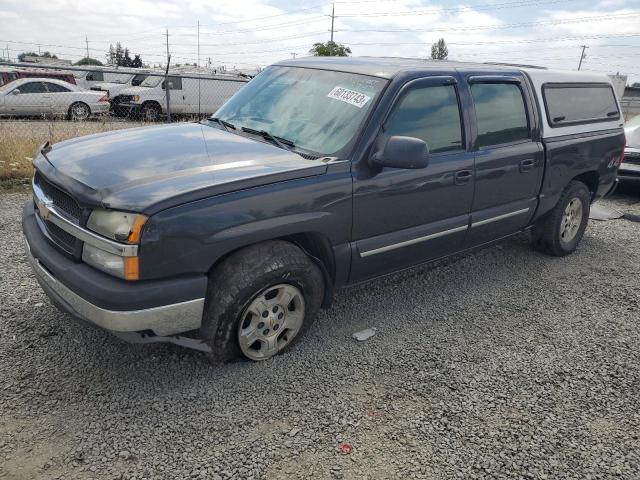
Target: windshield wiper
279,141
226,125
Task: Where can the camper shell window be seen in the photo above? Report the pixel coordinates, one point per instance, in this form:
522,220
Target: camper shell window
579,103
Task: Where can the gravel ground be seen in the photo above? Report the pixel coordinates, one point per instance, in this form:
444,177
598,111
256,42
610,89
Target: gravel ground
502,364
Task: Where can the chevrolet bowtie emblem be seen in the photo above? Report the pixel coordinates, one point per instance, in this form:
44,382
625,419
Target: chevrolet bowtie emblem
43,208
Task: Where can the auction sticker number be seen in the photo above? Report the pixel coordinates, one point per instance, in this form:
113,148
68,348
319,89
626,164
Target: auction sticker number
351,97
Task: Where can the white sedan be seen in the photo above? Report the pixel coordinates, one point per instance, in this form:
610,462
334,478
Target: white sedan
37,97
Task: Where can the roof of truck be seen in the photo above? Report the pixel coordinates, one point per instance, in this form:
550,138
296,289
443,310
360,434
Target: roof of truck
388,67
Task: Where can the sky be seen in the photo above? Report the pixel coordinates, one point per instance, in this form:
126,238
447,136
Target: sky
248,33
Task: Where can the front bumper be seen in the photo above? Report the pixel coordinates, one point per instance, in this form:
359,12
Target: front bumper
100,108
164,307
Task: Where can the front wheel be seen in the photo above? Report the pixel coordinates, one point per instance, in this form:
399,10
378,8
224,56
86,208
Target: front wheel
150,112
560,232
260,300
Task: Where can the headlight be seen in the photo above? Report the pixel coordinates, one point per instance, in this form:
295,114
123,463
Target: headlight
119,226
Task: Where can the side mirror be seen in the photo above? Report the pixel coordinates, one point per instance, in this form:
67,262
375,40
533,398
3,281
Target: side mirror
402,152
15,92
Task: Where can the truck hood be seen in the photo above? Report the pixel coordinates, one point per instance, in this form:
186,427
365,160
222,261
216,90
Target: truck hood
152,168
137,90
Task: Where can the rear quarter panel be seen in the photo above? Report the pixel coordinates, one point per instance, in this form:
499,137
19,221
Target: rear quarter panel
571,155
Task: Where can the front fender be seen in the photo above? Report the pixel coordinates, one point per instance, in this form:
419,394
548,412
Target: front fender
192,237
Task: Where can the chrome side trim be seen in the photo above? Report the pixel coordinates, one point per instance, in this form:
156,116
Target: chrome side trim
164,320
49,212
500,217
412,241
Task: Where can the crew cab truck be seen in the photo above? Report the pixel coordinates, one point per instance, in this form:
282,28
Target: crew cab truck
228,235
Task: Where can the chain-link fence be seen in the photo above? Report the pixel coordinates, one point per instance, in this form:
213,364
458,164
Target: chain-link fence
52,103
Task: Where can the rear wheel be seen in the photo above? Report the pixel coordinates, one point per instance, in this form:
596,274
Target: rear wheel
560,232
79,111
260,300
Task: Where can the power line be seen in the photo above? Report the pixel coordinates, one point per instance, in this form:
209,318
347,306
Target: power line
431,11
501,27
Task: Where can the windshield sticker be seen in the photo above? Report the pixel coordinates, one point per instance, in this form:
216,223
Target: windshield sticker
351,97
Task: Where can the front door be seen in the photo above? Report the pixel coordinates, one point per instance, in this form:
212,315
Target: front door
404,217
509,159
32,100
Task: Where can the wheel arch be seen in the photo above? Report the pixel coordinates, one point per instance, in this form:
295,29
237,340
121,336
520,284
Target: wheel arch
591,179
315,245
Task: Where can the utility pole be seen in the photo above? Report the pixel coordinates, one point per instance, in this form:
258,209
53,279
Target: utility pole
8,54
293,54
333,16
199,72
167,89
582,55
86,39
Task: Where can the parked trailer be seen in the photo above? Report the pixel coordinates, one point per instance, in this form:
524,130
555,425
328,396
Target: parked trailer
189,95
10,74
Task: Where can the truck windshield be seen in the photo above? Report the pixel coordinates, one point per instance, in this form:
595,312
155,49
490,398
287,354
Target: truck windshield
121,78
151,81
319,111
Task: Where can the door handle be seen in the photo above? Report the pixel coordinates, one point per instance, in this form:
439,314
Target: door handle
462,177
526,165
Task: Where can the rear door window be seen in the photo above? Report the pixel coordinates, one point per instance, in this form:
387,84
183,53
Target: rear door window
55,88
573,104
431,114
501,114
32,87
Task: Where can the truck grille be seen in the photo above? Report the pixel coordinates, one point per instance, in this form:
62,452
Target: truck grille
61,200
62,239
65,204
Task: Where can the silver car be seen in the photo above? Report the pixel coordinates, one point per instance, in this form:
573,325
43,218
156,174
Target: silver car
37,97
630,166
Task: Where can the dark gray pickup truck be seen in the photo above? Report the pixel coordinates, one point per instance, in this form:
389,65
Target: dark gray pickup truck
229,235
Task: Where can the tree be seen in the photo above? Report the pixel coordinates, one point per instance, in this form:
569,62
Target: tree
88,61
439,50
121,57
329,49
136,62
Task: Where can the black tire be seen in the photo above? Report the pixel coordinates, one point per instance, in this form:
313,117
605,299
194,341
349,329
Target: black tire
547,234
244,276
150,112
79,111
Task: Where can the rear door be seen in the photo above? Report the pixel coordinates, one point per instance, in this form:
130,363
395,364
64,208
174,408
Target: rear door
509,158
403,217
60,98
